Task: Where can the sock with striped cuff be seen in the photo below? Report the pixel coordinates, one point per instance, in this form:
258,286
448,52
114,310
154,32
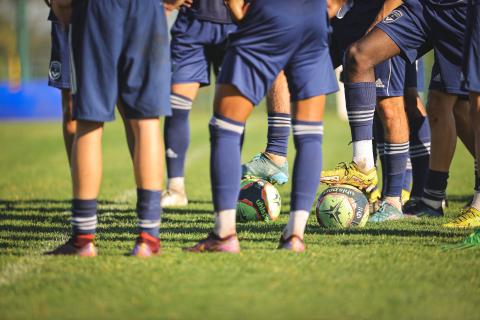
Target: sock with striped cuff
434,191
84,218
278,133
419,154
149,211
396,156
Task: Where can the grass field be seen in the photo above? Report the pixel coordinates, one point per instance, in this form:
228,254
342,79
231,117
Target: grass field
393,270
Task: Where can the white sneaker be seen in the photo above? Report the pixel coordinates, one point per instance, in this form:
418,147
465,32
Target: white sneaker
172,198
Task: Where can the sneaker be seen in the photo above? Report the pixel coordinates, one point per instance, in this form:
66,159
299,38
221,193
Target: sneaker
468,218
262,167
348,173
214,243
471,242
172,198
410,204
423,210
146,246
81,246
386,212
293,243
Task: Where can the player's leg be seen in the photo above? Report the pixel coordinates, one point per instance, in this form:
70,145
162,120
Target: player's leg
69,125
129,135
272,164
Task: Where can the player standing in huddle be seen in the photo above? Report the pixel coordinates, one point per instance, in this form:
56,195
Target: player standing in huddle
411,30
267,41
393,77
199,39
134,54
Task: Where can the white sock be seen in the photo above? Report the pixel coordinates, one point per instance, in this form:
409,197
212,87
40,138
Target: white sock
176,184
225,223
435,204
363,155
296,224
476,200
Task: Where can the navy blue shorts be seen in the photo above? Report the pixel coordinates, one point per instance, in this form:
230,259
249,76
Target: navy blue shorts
471,68
281,35
59,70
417,27
196,47
121,51
394,75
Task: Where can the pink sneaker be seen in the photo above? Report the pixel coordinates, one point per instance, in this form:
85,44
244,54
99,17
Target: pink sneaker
81,245
214,243
293,243
146,246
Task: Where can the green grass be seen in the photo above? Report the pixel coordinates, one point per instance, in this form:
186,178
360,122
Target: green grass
393,270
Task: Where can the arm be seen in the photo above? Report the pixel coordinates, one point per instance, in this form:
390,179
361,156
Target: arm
171,5
333,6
62,10
238,8
388,7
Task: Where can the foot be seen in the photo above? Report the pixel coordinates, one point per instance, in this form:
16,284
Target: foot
468,218
293,243
349,173
172,198
471,242
421,210
146,246
386,212
214,243
410,204
78,246
262,167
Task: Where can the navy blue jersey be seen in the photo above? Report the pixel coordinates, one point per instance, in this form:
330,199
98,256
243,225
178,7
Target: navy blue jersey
447,2
210,10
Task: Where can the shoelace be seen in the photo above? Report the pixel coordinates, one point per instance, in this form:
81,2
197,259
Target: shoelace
465,215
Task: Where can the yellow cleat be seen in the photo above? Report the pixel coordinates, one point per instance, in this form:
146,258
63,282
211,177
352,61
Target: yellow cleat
405,196
468,218
348,173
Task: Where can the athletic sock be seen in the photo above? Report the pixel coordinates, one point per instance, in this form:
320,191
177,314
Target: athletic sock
84,218
278,133
176,184
476,200
297,221
225,223
177,135
148,211
225,162
407,177
396,156
434,191
361,101
419,154
308,138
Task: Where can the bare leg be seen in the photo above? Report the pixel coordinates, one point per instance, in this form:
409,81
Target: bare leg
128,129
464,124
69,125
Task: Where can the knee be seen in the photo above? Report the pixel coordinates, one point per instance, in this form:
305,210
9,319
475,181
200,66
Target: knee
357,59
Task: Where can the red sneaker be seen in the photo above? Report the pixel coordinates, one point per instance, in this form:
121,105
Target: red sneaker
146,246
293,243
214,243
80,245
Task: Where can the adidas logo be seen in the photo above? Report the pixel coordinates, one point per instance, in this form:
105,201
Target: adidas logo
171,154
437,78
379,83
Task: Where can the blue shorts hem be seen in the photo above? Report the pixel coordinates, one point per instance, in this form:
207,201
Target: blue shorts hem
384,94
59,85
397,41
202,82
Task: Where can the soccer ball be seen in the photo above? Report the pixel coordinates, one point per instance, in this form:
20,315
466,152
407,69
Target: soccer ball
259,200
342,206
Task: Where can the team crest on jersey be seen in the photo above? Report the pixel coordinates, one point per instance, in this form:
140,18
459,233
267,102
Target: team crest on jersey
55,71
393,16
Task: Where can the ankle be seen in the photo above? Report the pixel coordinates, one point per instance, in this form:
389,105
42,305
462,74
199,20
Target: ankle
394,201
276,159
176,184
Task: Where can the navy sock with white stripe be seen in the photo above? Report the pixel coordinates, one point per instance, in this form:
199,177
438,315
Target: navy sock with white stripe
225,162
148,211
396,156
308,138
278,133
434,191
419,153
84,217
361,102
177,135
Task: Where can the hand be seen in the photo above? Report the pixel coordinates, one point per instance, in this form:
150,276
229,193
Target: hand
333,6
387,8
238,8
171,5
62,10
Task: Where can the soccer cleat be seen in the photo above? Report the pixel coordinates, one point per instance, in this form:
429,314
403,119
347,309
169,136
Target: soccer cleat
471,242
146,246
262,167
214,243
386,212
172,198
410,204
293,243
348,173
405,196
468,218
81,246
421,210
